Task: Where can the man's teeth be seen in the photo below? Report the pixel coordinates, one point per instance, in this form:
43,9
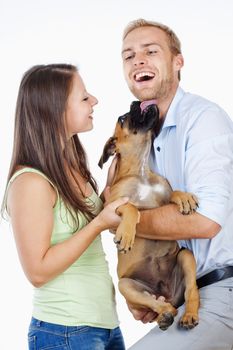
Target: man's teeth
139,76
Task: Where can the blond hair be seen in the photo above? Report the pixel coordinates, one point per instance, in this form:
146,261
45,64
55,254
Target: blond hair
173,40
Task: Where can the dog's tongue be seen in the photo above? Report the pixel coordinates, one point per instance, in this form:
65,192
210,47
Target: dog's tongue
144,104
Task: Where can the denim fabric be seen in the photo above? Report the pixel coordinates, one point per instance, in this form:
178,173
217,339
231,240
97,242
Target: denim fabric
49,336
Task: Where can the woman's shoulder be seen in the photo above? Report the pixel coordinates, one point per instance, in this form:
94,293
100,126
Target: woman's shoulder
27,177
25,170
30,183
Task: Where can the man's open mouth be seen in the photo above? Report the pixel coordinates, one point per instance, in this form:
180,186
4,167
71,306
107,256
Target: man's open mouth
143,76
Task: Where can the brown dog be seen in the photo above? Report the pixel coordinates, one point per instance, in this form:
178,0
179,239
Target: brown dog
152,268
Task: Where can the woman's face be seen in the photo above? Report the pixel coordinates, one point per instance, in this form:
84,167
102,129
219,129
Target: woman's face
79,108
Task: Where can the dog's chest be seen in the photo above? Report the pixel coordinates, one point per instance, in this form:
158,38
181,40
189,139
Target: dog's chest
149,195
146,190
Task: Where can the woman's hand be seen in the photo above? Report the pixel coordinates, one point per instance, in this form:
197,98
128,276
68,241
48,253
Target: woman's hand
105,195
107,218
111,172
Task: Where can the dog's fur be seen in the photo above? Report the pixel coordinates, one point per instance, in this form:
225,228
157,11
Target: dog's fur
151,268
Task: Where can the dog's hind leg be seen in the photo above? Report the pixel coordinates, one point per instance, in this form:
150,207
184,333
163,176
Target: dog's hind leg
192,301
140,296
126,231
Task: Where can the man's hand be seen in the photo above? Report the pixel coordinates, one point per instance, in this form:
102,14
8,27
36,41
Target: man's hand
142,314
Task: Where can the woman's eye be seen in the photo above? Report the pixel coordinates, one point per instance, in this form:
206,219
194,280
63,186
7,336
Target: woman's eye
151,52
85,99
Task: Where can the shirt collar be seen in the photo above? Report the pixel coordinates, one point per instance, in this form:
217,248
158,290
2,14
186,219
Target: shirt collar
170,119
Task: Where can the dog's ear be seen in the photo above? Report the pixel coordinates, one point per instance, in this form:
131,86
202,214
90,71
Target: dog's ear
109,150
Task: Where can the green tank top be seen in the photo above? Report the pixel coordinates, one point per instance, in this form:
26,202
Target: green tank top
84,293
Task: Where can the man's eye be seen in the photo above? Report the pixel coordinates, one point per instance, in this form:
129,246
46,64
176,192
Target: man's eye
151,52
128,57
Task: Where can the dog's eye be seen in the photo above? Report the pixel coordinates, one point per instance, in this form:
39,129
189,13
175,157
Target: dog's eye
135,132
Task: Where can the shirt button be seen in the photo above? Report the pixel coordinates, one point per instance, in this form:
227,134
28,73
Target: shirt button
158,149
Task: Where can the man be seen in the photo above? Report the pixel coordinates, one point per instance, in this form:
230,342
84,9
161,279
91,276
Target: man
194,151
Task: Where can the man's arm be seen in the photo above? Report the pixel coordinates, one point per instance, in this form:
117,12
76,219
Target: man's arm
167,223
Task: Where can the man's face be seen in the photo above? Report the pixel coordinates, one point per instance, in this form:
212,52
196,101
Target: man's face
150,68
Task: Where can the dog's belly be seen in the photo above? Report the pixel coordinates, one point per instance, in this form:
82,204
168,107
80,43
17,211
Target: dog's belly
154,265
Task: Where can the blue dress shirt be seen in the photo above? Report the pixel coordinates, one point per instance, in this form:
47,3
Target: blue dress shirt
194,151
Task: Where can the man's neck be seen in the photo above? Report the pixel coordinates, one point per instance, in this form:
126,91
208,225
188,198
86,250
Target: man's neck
164,103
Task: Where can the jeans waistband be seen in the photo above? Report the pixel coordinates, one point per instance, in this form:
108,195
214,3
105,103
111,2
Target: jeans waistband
52,327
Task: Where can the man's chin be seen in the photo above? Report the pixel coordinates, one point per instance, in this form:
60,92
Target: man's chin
144,95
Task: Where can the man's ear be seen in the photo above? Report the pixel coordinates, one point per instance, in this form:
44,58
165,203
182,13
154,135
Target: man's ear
178,62
109,150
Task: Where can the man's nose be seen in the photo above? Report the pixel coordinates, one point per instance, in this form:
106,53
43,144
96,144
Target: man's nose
139,59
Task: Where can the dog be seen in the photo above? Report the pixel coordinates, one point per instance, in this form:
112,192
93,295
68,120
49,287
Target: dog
153,274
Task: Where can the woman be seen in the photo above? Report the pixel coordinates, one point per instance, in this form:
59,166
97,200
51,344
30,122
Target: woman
57,216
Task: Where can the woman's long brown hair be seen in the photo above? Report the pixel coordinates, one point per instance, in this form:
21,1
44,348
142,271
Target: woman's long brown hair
40,138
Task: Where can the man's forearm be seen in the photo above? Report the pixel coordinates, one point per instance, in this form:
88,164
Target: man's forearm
167,223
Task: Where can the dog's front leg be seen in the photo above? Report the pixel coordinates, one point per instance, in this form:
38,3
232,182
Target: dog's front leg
126,231
187,202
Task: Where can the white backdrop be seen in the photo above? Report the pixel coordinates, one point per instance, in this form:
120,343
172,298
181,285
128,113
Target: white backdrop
88,33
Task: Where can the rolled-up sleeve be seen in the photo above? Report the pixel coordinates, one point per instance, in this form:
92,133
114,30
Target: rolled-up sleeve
209,165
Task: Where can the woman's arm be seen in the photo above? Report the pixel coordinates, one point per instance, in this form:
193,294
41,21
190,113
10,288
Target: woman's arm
30,205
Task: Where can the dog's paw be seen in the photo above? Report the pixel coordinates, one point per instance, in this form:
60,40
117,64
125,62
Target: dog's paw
189,321
187,202
165,320
124,238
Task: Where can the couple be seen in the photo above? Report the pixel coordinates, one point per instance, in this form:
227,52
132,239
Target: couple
57,216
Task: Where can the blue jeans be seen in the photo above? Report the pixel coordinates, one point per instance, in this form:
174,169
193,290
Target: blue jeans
43,335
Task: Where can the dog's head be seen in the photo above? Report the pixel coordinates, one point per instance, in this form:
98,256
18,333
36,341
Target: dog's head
133,130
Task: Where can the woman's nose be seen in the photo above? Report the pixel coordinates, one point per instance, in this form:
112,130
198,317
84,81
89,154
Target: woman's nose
94,100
